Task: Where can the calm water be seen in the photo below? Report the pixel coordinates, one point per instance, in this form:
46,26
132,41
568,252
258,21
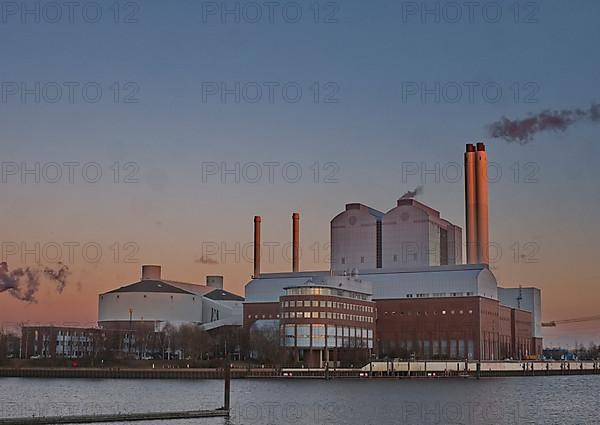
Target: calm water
540,400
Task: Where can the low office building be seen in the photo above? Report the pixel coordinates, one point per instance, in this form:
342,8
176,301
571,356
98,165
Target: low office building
326,320
73,342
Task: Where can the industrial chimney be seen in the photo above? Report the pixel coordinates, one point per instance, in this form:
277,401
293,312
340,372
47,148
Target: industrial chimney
150,272
476,204
483,242
295,242
470,207
257,221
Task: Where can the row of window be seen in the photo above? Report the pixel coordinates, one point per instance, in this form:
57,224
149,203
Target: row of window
439,294
407,257
321,335
425,313
326,291
326,315
432,348
328,304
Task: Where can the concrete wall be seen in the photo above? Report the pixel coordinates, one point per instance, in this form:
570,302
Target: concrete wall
406,238
354,239
151,306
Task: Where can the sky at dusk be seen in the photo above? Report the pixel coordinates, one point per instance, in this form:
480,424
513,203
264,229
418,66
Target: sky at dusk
159,129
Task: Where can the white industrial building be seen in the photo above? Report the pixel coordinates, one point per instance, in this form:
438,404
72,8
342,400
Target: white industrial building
407,236
528,299
160,301
463,280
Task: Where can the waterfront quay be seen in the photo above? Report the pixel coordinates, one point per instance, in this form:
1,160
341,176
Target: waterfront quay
381,369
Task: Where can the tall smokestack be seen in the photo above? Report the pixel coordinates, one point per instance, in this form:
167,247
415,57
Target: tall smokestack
257,221
470,203
295,242
483,242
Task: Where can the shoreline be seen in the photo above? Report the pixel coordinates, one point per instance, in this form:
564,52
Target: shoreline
265,373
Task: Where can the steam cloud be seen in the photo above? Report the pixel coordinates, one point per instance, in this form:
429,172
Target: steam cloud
205,260
412,193
24,283
524,130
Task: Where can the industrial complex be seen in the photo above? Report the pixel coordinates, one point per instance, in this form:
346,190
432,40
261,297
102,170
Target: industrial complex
396,287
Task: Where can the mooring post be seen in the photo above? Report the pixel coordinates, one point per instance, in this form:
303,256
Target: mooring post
227,372
478,371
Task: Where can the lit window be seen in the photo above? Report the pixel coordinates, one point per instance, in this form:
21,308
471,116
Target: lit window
443,311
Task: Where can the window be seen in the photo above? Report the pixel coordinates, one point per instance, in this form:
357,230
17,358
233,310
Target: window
343,260
443,311
395,258
362,259
322,304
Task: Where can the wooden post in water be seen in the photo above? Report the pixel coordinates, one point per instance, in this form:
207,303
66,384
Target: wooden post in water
227,373
478,371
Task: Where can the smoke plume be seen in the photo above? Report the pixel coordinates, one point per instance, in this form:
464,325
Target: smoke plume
524,130
205,260
24,283
412,193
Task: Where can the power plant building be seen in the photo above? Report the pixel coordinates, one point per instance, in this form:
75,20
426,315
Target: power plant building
409,235
158,301
427,304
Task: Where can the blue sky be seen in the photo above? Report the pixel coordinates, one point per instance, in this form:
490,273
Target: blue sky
369,56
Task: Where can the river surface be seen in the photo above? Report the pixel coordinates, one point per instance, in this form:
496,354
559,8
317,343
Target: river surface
526,400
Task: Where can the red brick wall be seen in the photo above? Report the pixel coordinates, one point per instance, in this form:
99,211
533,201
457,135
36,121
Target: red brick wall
260,311
428,327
